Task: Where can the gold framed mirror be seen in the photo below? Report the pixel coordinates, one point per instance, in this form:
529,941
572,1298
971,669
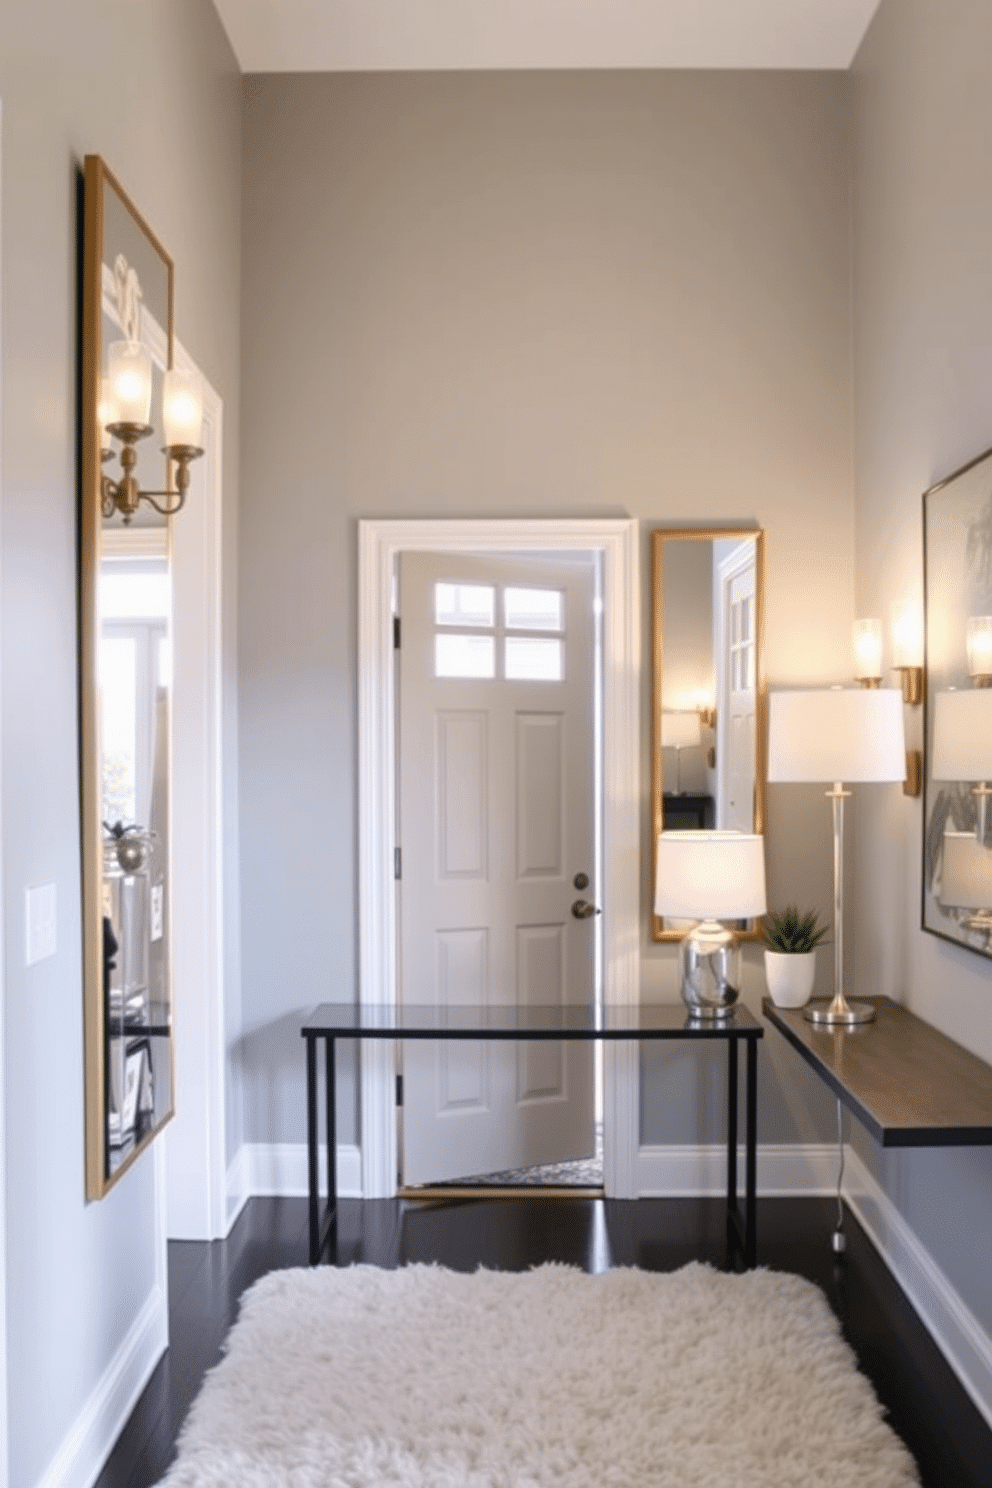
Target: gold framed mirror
708,746
127,485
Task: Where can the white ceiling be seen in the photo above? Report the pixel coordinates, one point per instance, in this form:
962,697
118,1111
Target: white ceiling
442,35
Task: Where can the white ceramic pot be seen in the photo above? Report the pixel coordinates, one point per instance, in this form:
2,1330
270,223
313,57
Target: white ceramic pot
790,977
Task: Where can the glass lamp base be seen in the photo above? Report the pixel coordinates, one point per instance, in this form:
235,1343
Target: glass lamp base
710,963
839,1014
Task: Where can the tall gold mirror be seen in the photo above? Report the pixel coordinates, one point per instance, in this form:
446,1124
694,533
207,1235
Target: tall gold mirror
708,719
128,484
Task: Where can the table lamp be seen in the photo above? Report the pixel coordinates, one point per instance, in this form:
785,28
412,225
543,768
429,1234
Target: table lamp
837,735
962,744
709,877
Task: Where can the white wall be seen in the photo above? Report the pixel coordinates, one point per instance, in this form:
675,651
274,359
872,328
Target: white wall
922,171
81,1277
523,294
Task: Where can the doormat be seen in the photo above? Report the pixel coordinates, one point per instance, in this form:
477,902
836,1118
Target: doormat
551,1377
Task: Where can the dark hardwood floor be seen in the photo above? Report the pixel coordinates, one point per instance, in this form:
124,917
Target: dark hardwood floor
925,1403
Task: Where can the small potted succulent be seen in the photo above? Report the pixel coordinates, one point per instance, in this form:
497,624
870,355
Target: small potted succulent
790,941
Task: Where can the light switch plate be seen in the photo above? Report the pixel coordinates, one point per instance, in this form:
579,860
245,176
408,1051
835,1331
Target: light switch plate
40,917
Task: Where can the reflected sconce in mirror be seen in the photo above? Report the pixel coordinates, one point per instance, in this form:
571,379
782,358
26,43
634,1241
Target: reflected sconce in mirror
710,877
124,408
978,643
837,735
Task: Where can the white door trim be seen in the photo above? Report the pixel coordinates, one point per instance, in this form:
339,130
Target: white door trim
195,1140
379,544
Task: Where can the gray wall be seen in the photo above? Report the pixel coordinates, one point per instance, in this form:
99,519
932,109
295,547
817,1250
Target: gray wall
922,150
77,1273
522,294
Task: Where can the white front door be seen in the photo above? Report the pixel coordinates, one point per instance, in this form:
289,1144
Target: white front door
738,687
496,820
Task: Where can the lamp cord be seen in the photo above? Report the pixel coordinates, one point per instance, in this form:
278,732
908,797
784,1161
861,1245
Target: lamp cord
839,1238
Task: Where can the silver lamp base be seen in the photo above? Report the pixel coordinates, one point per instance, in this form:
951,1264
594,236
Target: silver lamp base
710,965
839,1013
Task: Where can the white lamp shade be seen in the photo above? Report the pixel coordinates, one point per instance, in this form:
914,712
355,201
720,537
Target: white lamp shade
680,730
107,412
182,408
966,875
845,734
962,735
710,875
129,372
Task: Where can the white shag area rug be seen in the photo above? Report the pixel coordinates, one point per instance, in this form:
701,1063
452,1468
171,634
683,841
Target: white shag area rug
551,1378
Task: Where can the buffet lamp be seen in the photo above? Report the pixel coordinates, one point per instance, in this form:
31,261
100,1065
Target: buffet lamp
709,877
837,735
123,413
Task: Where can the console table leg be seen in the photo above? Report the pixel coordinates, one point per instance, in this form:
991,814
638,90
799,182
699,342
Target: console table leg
751,1178
731,1126
312,1149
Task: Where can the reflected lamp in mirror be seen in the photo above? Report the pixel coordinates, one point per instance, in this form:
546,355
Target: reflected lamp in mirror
966,881
710,877
837,735
679,731
962,747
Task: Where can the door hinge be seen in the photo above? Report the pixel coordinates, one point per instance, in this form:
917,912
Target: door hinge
396,632
399,1090
397,862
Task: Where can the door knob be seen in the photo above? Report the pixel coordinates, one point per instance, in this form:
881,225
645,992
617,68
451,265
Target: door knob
583,910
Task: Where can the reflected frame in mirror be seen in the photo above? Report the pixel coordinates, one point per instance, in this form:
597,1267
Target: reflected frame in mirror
660,538
127,289
957,585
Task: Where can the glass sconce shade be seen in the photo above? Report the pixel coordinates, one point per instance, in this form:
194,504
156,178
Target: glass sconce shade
978,639
182,409
962,736
868,650
907,634
107,413
129,368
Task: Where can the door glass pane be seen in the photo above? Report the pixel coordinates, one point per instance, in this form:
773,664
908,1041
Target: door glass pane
464,604
529,659
464,656
534,609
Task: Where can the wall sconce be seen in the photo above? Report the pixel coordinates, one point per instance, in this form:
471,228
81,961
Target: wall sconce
868,652
868,671
125,404
978,640
907,649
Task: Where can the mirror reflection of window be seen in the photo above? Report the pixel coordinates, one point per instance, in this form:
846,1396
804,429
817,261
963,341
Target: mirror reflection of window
135,662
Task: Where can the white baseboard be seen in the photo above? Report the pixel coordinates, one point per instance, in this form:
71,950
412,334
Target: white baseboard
692,1171
82,1455
956,1331
280,1168
237,1187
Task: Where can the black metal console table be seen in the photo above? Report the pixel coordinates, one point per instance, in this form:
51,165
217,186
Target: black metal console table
648,1023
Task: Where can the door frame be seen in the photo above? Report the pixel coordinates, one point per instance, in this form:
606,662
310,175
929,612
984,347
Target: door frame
726,570
380,542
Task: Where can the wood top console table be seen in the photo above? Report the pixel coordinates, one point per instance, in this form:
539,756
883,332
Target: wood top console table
909,1084
641,1023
